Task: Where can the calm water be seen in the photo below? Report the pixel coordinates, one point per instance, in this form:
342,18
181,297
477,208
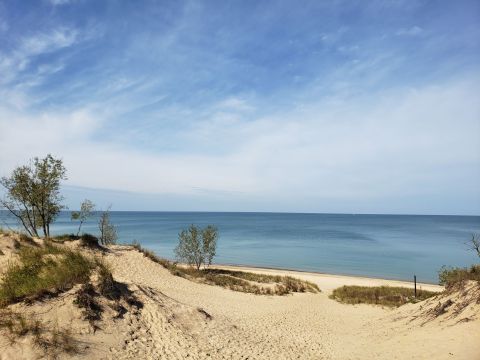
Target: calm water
389,246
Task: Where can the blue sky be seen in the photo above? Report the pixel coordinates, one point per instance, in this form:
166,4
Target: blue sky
321,106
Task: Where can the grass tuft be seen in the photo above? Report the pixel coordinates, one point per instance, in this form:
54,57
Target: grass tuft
379,295
42,270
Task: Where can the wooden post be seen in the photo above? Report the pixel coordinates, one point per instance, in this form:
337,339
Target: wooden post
415,281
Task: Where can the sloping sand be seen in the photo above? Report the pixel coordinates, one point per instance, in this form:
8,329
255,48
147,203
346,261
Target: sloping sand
181,319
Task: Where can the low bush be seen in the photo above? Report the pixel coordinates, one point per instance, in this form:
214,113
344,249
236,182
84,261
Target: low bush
43,270
379,295
454,277
89,240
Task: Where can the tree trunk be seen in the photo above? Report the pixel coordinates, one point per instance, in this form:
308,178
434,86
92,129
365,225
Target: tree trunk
79,227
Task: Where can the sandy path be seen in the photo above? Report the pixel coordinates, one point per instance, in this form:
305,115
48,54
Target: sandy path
299,326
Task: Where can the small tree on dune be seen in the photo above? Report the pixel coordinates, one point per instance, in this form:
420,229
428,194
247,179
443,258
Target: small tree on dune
108,232
197,246
87,208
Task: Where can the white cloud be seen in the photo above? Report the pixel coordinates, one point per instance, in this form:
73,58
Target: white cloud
407,142
48,42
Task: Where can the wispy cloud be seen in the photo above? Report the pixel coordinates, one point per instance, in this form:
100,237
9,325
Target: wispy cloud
13,63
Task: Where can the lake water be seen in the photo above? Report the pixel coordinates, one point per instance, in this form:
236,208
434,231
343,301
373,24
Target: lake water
388,246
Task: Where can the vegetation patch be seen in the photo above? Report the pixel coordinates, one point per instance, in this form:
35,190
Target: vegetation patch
41,271
86,300
248,282
107,291
379,295
454,278
90,241
86,240
65,237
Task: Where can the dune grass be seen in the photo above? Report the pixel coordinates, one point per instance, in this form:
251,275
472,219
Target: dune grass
43,270
259,284
87,240
452,278
379,295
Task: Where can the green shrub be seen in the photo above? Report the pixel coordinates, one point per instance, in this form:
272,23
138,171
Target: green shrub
379,295
452,277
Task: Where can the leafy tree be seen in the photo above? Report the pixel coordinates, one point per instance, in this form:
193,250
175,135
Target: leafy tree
33,193
197,246
87,208
108,231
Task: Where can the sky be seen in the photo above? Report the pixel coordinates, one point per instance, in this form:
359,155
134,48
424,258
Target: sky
313,106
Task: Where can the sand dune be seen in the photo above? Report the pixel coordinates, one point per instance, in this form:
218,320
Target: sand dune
181,319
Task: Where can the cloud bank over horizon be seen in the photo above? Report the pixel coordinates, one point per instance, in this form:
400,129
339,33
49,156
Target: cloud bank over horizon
245,106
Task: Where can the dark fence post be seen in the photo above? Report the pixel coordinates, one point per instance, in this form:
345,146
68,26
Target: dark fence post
415,281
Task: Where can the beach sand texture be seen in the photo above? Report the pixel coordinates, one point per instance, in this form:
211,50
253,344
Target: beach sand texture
181,319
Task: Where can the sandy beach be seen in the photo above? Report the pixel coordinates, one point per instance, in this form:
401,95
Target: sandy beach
328,282
182,319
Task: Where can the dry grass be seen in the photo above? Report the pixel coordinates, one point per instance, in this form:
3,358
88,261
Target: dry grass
92,298
41,271
379,295
52,341
242,281
17,325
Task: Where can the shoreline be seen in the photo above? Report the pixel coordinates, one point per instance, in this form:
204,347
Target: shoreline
328,281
